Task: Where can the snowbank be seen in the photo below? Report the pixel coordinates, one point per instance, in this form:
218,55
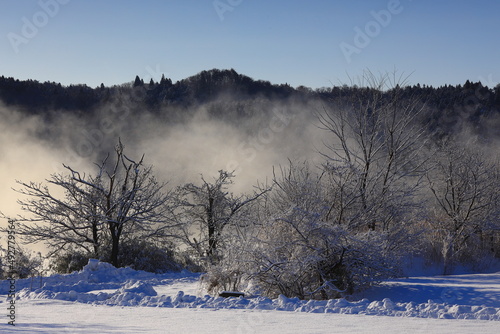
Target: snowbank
102,284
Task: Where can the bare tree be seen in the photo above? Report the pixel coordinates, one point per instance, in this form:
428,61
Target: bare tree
205,210
465,187
374,159
61,223
97,211
131,200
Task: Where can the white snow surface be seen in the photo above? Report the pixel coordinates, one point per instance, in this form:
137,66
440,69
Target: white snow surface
100,293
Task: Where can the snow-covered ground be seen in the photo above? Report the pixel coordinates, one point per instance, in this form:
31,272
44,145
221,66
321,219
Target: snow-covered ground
53,317
103,299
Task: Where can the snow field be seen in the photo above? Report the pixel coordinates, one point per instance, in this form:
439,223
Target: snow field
58,317
106,299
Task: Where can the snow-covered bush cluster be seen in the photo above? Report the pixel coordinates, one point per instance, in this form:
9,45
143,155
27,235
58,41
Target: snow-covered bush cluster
296,250
383,192
100,283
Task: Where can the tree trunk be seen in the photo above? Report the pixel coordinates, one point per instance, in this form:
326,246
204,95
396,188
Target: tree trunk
115,244
212,242
114,250
95,238
447,255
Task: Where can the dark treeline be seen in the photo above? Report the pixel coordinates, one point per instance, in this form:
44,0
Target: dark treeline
448,107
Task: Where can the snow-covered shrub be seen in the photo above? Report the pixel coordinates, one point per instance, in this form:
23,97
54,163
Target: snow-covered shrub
189,261
231,273
295,249
142,255
222,278
25,264
69,262
318,262
285,257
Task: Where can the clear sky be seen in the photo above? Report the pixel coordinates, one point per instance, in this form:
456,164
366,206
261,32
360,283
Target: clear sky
312,43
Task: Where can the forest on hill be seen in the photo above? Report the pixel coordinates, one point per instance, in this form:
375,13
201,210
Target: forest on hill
229,94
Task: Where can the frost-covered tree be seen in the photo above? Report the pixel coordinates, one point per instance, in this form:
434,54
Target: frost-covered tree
61,220
294,248
374,158
23,263
131,201
204,211
465,190
97,211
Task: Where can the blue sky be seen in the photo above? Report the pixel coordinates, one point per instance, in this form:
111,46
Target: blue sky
311,43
